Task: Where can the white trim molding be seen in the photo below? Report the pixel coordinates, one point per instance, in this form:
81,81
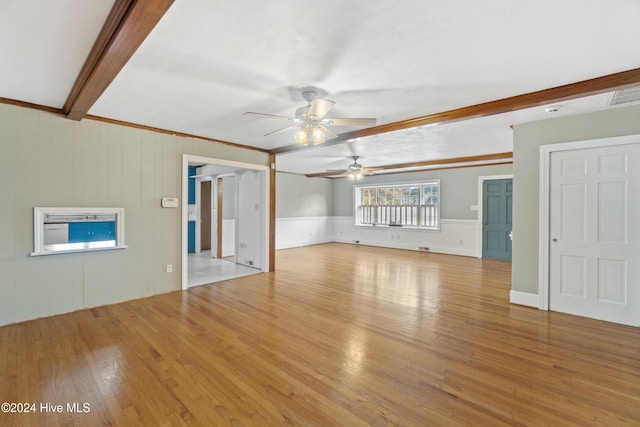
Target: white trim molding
524,298
75,215
544,202
186,158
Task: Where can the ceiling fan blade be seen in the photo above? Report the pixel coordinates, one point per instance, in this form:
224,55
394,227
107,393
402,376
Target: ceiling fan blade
280,130
352,122
268,116
319,108
338,170
327,133
372,170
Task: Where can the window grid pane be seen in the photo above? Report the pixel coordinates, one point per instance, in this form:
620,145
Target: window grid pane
414,205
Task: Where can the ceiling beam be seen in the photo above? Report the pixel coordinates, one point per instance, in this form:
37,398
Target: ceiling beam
127,26
533,99
453,160
508,162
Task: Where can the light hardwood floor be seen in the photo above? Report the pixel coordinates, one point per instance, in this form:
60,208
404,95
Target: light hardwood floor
340,335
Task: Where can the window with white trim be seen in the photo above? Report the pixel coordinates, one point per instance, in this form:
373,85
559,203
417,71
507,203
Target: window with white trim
415,205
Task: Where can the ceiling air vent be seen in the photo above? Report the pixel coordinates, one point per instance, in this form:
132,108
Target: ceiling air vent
625,96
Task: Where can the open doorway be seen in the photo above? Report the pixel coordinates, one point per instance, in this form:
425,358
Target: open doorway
225,220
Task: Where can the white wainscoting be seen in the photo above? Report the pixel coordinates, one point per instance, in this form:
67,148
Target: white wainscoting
294,232
456,237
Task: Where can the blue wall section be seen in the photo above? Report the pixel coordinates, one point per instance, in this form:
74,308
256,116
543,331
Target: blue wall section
191,247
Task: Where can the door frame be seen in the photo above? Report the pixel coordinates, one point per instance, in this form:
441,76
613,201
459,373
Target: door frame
219,205
199,186
544,250
217,234
480,207
186,159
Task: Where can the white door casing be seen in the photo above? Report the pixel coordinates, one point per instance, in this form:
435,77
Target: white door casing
264,229
593,237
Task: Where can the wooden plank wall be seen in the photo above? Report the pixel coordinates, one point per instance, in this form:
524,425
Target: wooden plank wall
46,160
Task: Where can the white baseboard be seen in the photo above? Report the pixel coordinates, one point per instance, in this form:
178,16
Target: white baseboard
410,247
524,298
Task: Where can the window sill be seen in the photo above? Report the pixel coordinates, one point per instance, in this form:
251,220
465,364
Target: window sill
76,250
396,227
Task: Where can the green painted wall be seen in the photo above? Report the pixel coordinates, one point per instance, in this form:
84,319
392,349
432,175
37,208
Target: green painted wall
526,170
458,189
299,196
47,160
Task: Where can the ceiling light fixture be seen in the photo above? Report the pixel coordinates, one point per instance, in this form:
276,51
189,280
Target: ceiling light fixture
318,135
310,133
302,136
355,176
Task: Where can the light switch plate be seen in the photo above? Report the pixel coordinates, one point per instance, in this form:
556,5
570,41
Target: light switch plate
169,202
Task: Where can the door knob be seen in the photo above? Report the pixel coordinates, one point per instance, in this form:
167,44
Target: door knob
555,240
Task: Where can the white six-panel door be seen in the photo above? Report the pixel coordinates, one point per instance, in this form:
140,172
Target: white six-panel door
594,256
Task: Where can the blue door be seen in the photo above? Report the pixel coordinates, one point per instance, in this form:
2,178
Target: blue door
496,205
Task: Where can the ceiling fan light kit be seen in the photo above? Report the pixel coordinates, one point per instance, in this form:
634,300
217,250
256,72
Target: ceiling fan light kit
355,171
310,122
318,136
355,176
313,133
302,136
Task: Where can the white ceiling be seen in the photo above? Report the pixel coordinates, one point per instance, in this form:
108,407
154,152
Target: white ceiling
207,62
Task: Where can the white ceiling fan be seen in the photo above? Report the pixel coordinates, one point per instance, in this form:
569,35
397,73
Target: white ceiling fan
355,171
311,122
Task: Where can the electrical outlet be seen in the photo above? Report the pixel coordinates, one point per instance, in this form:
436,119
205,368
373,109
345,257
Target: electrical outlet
423,248
169,268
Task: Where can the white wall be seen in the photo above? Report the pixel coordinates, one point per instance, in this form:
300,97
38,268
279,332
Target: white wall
304,231
46,160
229,207
228,237
229,197
250,218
